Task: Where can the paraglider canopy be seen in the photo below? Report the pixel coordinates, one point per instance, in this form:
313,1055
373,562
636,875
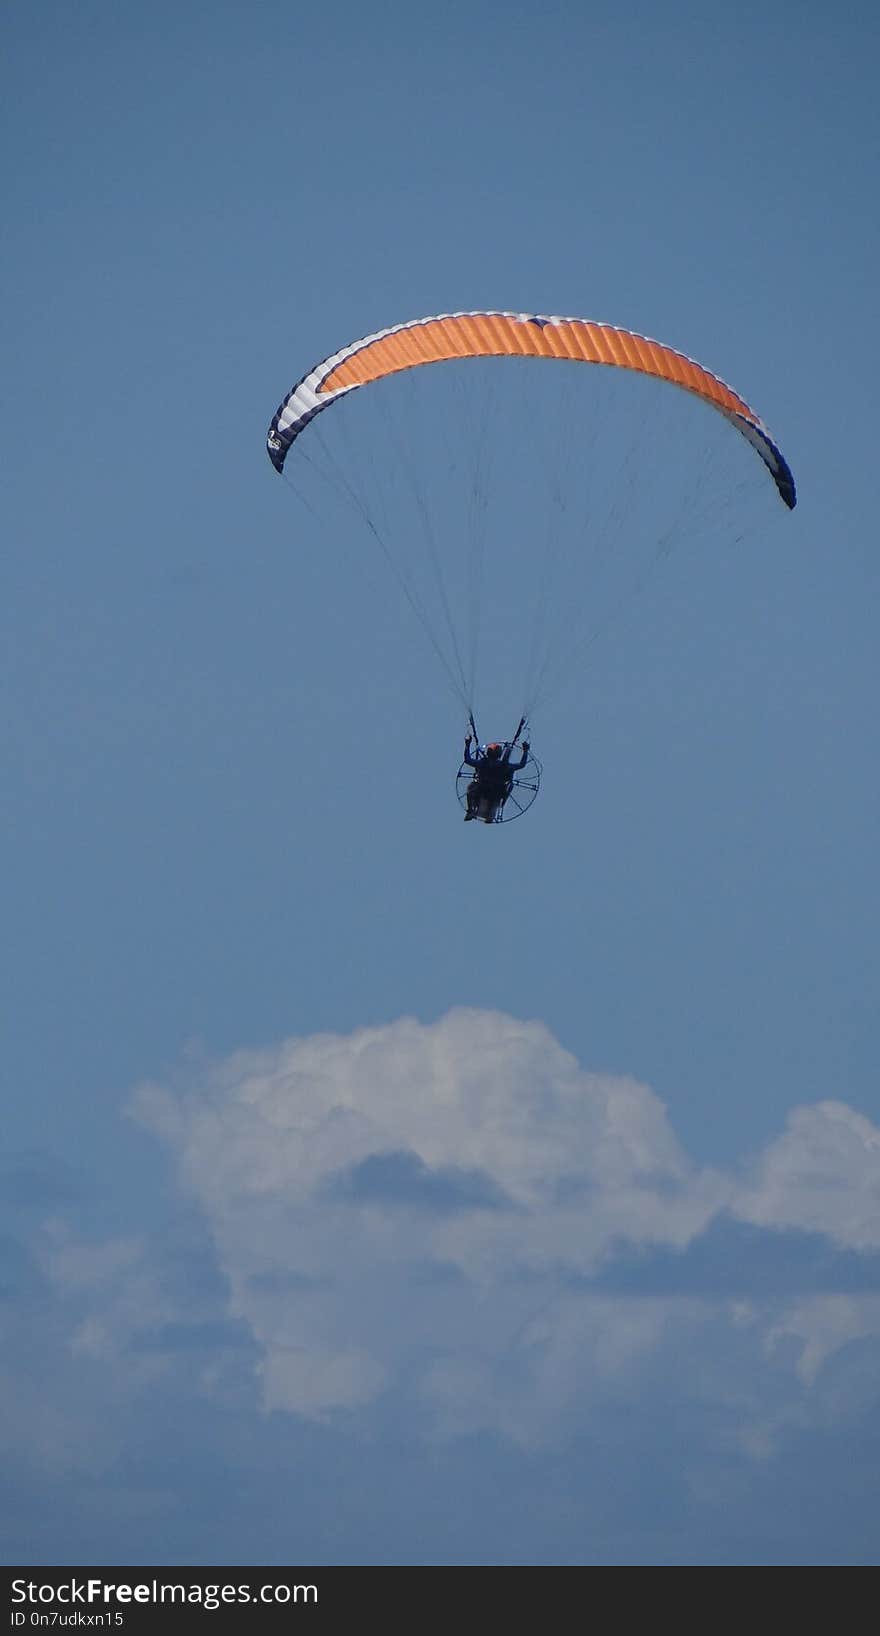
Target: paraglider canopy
499,334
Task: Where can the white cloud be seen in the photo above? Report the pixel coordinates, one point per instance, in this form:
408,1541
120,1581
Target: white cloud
79,1348
112,1291
431,1205
822,1176
821,1326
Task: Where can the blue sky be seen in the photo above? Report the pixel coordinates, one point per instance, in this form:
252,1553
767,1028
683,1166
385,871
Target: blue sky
513,1207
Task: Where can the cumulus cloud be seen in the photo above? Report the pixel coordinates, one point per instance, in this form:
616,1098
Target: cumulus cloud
75,1347
428,1210
822,1175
